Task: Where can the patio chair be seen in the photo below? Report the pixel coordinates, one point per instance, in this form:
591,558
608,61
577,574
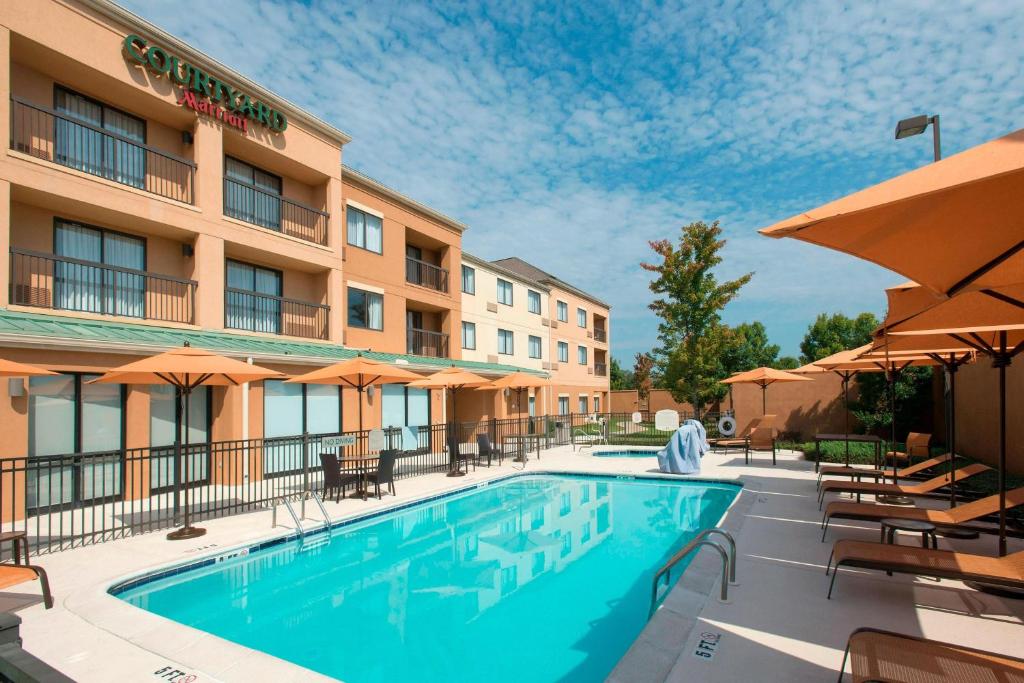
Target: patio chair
761,439
877,655
740,441
924,488
456,455
484,448
13,574
385,473
334,479
903,473
942,564
918,446
959,517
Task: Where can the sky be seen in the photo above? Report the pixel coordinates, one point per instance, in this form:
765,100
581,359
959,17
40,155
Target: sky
572,134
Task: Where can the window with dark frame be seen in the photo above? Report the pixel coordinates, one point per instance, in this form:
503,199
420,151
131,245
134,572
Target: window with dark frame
504,292
252,194
506,345
365,309
364,230
88,150
468,280
563,311
533,301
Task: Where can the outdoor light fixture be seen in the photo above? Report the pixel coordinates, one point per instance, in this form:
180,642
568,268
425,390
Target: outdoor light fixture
916,125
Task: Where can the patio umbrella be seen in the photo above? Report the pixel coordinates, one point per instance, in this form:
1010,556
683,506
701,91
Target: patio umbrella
185,369
763,377
452,379
518,382
8,368
357,373
952,226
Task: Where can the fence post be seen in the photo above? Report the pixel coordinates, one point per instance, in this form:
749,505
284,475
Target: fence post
305,461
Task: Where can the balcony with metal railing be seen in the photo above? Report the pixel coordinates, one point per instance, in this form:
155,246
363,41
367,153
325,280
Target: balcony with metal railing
600,334
68,284
256,205
63,139
601,369
426,343
424,274
256,312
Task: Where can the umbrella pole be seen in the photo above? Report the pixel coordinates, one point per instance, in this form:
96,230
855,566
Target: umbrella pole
846,409
893,499
951,398
1002,360
187,531
453,442
764,402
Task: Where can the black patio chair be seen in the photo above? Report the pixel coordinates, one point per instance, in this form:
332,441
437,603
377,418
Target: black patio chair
385,473
486,450
334,480
456,456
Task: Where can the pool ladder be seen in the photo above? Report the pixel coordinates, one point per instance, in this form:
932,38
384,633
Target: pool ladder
728,563
295,518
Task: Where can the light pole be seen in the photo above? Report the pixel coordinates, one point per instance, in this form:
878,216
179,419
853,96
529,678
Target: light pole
916,125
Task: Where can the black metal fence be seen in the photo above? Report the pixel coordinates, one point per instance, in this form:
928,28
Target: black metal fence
426,343
66,501
258,206
248,310
425,274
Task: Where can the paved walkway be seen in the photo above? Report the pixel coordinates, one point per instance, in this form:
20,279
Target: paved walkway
777,623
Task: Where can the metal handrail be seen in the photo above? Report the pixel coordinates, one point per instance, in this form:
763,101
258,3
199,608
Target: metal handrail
101,266
320,504
272,195
291,510
728,564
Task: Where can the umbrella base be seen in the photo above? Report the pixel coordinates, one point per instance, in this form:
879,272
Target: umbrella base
895,500
456,473
185,533
1000,591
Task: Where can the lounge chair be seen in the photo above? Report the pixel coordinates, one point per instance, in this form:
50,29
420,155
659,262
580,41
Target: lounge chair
877,655
385,473
760,439
960,516
903,473
923,488
918,446
334,479
741,440
13,574
944,564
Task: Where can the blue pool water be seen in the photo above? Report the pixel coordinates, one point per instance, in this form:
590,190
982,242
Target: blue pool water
534,578
625,454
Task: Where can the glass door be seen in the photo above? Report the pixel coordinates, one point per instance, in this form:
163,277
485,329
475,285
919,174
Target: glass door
164,409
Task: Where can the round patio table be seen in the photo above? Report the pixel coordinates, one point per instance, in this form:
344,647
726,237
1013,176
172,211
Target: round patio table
926,529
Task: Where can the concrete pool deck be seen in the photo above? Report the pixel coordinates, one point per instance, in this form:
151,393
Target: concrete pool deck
777,621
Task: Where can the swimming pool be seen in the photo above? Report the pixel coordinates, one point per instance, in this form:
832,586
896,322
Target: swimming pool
531,578
625,453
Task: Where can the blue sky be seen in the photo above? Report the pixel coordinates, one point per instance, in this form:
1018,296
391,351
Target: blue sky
571,135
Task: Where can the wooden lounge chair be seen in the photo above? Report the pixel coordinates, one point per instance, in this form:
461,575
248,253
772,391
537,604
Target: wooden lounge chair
760,439
960,516
923,488
918,446
943,564
13,574
742,440
903,473
877,655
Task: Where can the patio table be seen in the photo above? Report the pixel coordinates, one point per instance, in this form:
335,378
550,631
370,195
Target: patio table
851,438
361,463
523,439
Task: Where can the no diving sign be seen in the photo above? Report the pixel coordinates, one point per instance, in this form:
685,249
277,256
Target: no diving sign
707,645
338,441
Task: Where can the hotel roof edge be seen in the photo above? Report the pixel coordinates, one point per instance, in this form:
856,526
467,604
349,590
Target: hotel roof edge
504,271
114,11
374,184
551,280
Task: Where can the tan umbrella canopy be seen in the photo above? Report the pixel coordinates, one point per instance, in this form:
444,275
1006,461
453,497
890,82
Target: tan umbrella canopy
763,377
185,369
518,382
452,379
951,226
8,368
357,373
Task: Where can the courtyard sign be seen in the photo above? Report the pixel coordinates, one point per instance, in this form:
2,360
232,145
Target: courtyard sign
202,92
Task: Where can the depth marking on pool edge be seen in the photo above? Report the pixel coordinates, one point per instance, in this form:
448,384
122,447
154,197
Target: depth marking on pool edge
707,645
169,673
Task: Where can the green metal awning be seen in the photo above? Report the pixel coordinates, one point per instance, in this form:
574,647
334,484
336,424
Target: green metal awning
60,332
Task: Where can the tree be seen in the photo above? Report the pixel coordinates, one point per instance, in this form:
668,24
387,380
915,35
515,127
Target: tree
689,303
913,400
621,379
830,334
642,376
746,347
786,363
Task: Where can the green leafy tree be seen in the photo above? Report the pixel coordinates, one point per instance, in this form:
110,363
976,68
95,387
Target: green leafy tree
746,347
786,363
913,400
689,302
830,334
620,379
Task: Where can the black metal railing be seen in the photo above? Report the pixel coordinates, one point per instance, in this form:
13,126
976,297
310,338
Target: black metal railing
425,274
255,312
600,335
262,207
57,282
601,369
426,343
68,141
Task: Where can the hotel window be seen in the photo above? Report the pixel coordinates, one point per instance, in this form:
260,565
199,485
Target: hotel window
504,292
597,404
563,312
533,301
365,230
163,416
505,342
566,544
253,298
365,309
563,352
538,564
535,347
581,317
67,415
581,355
468,280
94,289
251,194
563,405
468,335
565,504
509,579
403,406
93,152
292,410
583,405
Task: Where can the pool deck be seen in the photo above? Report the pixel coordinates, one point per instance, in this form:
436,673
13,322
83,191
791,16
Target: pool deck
777,621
